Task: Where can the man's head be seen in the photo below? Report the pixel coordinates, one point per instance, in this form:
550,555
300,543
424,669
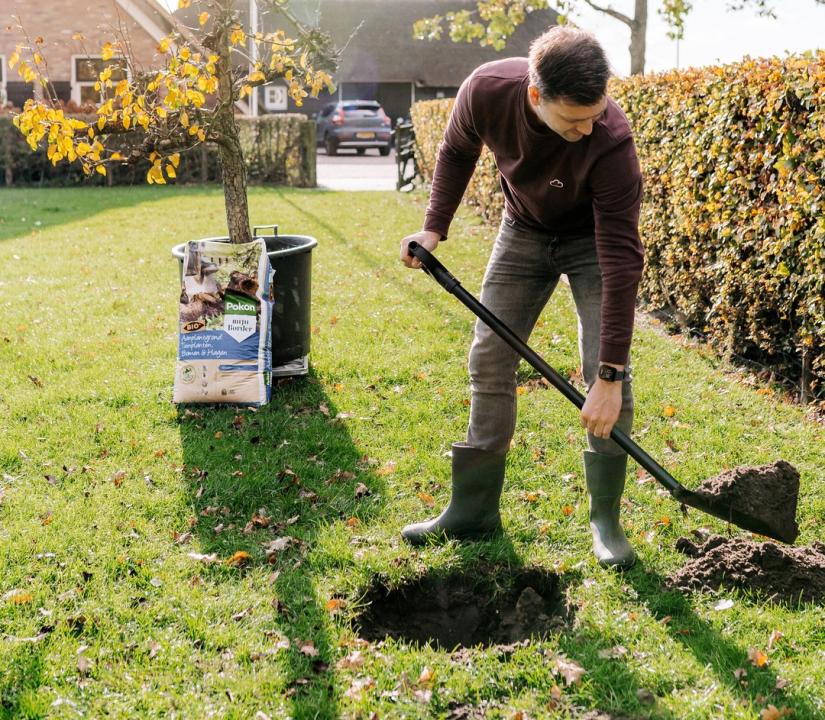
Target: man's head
569,72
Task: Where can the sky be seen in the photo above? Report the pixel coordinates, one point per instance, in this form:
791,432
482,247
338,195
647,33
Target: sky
712,33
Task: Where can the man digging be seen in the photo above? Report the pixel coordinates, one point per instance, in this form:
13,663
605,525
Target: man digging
572,188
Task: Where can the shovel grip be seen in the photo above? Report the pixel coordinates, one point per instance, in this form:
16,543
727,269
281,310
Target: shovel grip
433,267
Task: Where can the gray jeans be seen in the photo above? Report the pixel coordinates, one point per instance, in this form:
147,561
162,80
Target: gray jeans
524,269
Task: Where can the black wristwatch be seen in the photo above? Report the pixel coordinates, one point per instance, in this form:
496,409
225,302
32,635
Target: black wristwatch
611,374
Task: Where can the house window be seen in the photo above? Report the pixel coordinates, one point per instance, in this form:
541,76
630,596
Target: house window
275,97
86,72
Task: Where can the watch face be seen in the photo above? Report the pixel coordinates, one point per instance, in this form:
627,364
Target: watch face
607,373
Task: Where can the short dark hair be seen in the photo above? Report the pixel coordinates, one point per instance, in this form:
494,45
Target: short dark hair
570,65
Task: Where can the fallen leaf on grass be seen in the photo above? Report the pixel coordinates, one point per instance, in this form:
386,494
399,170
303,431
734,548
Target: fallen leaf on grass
334,605
773,713
213,558
118,478
278,544
569,670
361,490
358,686
307,648
388,468
426,677
781,684
725,604
758,658
353,661
775,636
239,558
429,500
35,380
18,596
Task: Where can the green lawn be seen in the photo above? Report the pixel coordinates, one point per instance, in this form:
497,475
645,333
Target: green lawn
108,488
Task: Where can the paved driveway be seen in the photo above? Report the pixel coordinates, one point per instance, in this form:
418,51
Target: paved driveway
350,171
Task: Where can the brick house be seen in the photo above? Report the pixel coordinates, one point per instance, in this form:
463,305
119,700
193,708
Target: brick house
74,64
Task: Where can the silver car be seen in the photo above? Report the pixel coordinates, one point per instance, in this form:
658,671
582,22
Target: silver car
358,124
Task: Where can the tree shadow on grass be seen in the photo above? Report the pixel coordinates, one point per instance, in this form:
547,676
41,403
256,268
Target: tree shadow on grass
712,650
30,210
276,478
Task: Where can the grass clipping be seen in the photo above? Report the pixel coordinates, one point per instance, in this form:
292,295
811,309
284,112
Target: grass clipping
766,492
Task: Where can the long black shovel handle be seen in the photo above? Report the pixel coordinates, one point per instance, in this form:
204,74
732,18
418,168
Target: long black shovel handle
713,507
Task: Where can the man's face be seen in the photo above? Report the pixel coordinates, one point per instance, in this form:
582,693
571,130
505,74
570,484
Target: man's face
572,122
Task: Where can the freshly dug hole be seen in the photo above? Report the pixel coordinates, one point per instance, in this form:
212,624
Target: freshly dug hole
766,492
486,605
773,572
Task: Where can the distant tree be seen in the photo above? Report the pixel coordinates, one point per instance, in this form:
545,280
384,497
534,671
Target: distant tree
495,20
189,100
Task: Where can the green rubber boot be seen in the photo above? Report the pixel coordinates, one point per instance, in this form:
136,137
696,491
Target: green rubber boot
478,477
605,477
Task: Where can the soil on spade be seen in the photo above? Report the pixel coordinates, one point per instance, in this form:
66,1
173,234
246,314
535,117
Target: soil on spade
766,492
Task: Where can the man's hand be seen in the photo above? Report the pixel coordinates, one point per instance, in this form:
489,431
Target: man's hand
427,239
601,408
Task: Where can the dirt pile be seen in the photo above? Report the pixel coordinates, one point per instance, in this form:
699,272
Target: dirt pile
766,492
770,571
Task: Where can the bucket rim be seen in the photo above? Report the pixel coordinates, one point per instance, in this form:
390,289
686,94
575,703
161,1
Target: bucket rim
179,251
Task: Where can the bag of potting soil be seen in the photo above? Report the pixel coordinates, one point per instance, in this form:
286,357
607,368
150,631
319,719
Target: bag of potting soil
225,337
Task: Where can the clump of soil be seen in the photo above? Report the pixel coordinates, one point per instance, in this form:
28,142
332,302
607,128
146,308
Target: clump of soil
488,606
778,574
766,492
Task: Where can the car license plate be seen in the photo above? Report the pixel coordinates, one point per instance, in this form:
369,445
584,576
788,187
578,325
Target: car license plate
365,136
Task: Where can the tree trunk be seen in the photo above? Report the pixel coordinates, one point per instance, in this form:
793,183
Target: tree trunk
638,38
233,168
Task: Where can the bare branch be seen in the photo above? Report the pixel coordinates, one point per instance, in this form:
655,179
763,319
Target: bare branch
611,12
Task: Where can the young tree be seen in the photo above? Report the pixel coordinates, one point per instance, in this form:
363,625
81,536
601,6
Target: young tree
189,100
495,20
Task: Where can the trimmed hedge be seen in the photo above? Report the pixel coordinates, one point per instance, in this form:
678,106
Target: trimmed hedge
279,149
733,219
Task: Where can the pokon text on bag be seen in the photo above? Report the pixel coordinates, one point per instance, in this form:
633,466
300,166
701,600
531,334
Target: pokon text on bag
224,334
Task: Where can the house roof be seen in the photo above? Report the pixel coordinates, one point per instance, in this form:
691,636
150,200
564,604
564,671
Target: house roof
383,47
377,38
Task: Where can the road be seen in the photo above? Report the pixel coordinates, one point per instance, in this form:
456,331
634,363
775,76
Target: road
350,171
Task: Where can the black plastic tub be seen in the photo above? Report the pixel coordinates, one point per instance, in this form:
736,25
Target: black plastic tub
291,259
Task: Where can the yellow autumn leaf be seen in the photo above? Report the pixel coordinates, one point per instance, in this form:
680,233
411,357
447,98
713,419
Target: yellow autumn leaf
101,169
426,677
670,411
174,159
239,558
203,17
107,52
758,658
170,171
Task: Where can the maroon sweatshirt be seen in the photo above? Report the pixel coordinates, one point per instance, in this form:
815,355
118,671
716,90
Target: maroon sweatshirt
550,185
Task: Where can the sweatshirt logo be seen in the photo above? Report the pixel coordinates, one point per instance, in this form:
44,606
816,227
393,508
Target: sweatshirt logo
556,184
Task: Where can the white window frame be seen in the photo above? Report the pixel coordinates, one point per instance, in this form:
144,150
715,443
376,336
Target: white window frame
77,84
283,106
5,71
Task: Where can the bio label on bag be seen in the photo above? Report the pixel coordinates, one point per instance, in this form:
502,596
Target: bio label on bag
225,337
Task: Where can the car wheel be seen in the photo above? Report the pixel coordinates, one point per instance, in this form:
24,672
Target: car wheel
331,145
384,151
